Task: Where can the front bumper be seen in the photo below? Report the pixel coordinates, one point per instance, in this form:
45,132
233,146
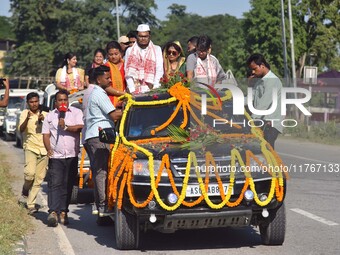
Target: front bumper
201,215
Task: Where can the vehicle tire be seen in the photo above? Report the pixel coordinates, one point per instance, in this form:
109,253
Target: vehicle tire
74,195
126,230
273,231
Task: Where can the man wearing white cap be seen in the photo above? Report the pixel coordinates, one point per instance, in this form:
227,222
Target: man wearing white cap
144,63
124,43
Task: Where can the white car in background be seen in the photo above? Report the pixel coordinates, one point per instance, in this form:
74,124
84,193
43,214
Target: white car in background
9,126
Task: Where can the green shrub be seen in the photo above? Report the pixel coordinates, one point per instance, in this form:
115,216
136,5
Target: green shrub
14,221
318,132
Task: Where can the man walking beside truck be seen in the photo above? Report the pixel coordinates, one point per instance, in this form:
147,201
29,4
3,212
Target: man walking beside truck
36,159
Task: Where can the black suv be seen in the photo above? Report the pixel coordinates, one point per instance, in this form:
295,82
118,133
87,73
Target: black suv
137,209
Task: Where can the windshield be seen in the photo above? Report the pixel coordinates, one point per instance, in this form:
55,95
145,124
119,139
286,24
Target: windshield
141,120
15,102
144,119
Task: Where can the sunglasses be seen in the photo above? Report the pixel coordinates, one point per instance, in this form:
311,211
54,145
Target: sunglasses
173,53
127,43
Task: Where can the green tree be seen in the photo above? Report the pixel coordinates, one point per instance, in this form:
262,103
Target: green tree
47,30
315,26
35,59
136,12
82,27
34,25
322,19
262,27
34,20
177,10
6,29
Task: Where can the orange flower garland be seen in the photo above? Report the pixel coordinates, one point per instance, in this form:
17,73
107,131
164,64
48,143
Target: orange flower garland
121,171
81,168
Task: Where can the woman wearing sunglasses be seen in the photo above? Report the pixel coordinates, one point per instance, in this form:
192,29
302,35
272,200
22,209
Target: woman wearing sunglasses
174,59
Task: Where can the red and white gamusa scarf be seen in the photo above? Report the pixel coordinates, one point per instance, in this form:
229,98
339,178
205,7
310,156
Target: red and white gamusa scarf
65,81
208,71
139,68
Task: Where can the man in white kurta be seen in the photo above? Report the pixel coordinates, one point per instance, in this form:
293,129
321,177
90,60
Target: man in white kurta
144,63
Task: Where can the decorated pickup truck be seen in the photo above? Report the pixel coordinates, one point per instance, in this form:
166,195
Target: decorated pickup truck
173,168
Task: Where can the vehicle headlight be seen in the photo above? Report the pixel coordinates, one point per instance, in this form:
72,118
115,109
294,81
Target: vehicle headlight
141,167
254,168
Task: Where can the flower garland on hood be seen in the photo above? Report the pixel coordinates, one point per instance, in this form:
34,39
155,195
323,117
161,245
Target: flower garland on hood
124,152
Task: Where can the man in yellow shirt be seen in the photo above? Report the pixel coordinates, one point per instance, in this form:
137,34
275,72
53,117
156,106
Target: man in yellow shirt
36,159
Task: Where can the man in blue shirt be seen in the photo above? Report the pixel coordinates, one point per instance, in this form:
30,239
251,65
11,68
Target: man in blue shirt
100,113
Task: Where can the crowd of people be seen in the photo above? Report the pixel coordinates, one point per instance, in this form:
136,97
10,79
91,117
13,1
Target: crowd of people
137,64
132,64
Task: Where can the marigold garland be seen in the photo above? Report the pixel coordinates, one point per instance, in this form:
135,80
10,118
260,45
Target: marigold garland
81,168
121,170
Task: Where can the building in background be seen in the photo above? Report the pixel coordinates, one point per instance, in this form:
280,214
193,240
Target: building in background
5,46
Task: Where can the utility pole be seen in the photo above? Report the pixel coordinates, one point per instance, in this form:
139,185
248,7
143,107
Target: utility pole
117,18
292,51
286,73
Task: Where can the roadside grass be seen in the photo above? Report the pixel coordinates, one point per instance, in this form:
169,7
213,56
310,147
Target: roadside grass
14,221
325,133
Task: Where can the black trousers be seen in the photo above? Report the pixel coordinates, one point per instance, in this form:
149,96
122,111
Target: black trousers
62,175
99,154
270,134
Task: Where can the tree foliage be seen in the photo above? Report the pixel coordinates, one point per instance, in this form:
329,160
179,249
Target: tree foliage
177,10
136,12
316,30
55,28
47,29
323,31
6,29
262,26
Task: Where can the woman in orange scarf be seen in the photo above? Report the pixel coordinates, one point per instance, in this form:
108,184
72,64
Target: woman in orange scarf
116,64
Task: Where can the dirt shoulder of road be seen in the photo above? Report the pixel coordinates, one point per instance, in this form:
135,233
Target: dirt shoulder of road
40,239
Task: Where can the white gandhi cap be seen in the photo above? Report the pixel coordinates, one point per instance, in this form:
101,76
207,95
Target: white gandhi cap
143,28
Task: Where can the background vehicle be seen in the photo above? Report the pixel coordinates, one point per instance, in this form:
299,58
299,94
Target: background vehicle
49,96
173,197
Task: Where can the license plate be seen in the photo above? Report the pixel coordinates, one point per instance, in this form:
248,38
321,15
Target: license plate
213,190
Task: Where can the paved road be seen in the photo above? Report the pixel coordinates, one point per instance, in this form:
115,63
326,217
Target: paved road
312,207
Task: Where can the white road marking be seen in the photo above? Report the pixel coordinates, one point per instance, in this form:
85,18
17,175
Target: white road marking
63,242
314,217
310,159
